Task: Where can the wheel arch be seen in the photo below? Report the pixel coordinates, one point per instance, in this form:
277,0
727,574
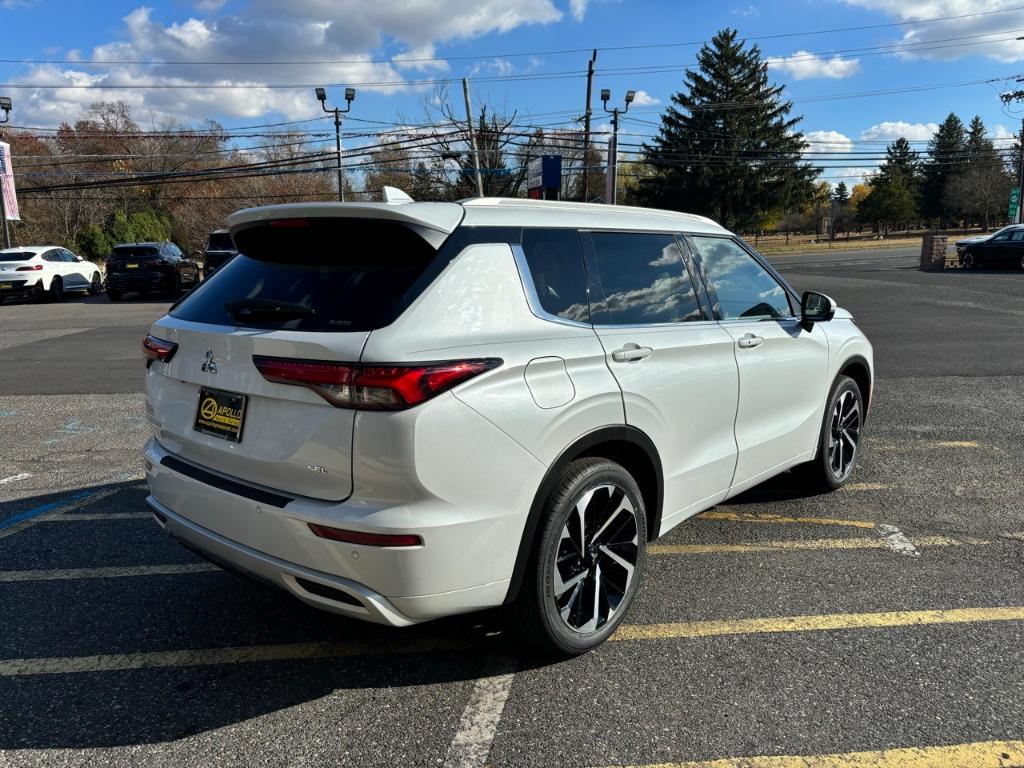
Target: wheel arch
858,369
623,444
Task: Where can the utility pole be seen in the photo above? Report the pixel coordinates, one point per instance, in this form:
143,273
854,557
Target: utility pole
613,147
5,105
1020,174
472,138
350,94
586,128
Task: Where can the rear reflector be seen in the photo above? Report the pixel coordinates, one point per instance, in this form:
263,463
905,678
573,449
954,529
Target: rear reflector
158,349
367,539
372,387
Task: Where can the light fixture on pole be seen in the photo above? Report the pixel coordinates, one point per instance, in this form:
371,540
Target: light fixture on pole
613,147
5,105
350,94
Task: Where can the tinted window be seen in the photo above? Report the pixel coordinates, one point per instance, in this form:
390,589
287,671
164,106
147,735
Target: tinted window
1018,235
739,286
20,256
68,256
220,241
351,273
556,266
644,280
1000,237
135,252
52,256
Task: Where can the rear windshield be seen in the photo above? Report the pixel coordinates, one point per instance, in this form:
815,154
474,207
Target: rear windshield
135,252
351,274
24,256
220,241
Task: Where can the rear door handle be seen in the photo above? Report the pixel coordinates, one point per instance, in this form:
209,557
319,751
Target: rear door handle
749,341
631,352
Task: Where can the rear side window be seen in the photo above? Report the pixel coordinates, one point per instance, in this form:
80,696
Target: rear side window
22,256
556,268
220,241
644,280
739,286
322,274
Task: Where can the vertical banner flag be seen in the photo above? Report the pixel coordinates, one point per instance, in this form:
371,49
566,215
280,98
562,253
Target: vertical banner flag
7,183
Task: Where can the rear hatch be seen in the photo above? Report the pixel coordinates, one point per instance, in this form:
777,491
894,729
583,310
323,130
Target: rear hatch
302,289
129,260
10,261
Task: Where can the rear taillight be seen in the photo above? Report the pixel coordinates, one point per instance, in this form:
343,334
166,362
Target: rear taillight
372,387
158,349
30,268
366,539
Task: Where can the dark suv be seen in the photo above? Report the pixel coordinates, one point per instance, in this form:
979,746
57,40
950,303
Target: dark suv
220,249
149,268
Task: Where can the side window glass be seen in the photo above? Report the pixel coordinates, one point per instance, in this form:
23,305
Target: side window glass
739,286
1018,235
644,280
68,256
1000,238
556,268
51,256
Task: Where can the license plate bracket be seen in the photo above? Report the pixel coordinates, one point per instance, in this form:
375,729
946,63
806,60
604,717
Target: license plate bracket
220,414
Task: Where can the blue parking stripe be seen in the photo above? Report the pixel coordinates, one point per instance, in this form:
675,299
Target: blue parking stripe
44,508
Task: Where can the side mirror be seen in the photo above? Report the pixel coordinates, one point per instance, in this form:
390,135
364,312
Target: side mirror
816,308
79,258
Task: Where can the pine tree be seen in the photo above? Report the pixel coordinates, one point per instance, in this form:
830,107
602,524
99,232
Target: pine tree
728,147
945,153
841,194
894,195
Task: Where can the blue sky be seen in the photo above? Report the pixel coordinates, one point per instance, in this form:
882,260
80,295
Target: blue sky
374,39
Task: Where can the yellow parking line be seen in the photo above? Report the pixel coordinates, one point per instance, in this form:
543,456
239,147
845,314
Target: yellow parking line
829,621
982,754
397,644
866,486
756,517
797,544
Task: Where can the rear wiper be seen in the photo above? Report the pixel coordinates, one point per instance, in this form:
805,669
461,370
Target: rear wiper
266,310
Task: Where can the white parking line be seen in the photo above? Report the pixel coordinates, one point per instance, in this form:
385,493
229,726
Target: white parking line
106,573
472,743
896,540
15,478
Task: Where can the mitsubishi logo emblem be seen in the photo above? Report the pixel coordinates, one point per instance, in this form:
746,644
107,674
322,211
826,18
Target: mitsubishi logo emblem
209,364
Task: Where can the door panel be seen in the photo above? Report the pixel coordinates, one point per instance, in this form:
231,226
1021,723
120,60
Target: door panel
676,369
782,370
782,367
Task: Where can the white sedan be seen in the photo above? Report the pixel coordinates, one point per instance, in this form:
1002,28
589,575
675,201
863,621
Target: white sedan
46,270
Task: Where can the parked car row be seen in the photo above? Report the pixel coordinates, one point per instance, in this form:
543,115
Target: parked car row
50,271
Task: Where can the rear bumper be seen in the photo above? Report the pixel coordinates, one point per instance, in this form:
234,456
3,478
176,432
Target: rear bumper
20,288
465,563
144,281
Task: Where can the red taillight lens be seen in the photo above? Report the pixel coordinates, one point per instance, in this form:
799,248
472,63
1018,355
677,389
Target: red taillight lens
158,349
367,539
30,268
372,387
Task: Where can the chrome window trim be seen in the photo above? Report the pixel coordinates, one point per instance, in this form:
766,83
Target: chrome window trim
532,299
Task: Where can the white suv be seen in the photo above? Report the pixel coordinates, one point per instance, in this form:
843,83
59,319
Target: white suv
403,411
45,270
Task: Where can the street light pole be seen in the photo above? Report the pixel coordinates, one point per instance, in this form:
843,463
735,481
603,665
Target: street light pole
5,105
350,94
613,148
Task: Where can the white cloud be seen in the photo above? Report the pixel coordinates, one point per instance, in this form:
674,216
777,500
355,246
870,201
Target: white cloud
352,32
828,141
578,8
999,42
1001,132
644,99
496,66
804,65
747,12
892,130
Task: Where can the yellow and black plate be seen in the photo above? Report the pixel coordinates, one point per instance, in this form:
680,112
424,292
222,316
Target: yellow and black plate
220,414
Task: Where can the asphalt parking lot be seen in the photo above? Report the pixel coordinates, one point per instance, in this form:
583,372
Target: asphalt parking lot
881,623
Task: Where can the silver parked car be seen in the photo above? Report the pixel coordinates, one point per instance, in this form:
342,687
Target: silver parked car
409,410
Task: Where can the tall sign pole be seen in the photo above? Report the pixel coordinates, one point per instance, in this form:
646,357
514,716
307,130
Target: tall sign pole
8,196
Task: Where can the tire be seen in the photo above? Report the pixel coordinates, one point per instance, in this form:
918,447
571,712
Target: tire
836,460
572,601
113,294
174,287
969,261
96,286
56,292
